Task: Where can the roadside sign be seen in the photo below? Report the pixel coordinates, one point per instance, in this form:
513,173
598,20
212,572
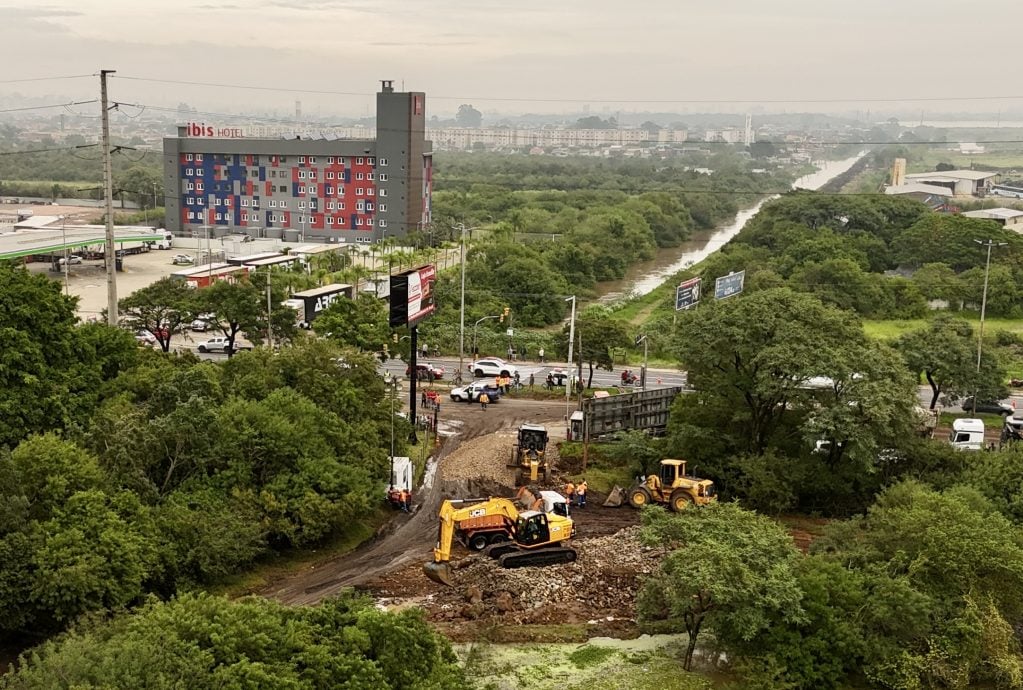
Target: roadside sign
687,294
729,285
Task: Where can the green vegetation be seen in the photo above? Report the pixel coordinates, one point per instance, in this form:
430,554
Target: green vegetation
588,655
201,641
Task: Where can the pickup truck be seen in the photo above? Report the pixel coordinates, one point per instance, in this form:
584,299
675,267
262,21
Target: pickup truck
471,393
219,344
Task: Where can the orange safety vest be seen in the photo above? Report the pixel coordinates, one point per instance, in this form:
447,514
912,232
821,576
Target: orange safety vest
570,488
484,398
581,489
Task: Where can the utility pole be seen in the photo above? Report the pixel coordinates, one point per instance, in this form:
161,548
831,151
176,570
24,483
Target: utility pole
269,312
461,308
642,374
983,306
109,253
568,380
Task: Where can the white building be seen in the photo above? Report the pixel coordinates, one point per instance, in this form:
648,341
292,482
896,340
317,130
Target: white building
1007,217
959,182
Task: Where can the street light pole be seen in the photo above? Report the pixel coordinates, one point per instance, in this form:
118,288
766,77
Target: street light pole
642,374
568,380
461,308
478,322
983,305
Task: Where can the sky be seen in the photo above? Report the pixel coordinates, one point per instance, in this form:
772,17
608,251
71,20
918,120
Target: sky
522,56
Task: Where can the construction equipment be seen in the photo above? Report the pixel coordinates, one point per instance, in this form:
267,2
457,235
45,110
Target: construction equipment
672,487
537,538
529,456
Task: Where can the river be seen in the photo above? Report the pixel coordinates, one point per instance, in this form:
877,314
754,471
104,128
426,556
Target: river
643,277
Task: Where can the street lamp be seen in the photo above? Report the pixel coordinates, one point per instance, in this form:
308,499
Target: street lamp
461,308
642,375
983,305
478,322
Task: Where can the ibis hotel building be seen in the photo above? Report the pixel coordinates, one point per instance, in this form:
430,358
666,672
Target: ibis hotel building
303,187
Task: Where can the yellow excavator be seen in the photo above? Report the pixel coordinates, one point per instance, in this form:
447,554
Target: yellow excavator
537,538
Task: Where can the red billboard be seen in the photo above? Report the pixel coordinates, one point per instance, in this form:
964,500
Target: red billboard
412,297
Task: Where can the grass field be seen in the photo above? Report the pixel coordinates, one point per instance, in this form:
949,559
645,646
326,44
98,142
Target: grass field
887,330
995,159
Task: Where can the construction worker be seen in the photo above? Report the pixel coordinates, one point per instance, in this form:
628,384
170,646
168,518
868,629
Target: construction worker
569,491
484,400
403,500
408,502
580,494
540,355
532,380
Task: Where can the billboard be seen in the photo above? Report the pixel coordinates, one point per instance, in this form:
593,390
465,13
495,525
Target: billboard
729,285
687,294
412,297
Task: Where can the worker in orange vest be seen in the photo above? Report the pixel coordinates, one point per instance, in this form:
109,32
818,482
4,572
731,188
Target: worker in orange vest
580,494
569,491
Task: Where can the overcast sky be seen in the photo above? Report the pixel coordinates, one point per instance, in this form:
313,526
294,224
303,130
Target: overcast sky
632,53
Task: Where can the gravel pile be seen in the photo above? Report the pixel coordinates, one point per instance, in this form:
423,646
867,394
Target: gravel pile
482,457
602,582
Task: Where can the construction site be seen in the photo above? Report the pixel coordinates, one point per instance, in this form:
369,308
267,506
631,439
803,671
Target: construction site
476,511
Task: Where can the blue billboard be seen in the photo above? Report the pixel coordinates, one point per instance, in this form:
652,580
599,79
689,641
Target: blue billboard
687,294
729,285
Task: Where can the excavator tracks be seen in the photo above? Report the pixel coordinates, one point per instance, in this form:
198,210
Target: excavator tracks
540,557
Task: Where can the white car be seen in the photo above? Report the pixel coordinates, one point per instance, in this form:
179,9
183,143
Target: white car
71,260
471,393
182,259
220,344
144,337
491,366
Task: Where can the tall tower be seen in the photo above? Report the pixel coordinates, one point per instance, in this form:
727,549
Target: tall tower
899,172
401,141
298,110
748,134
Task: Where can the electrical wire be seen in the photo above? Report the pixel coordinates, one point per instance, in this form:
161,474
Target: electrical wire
70,76
59,148
44,107
920,99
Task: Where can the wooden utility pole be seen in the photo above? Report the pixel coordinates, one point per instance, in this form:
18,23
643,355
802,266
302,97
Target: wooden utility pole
109,250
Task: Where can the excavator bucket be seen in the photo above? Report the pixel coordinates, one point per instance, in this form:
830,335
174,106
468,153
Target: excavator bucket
615,498
439,573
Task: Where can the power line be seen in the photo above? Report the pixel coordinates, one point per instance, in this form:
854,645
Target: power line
57,148
44,107
527,99
70,76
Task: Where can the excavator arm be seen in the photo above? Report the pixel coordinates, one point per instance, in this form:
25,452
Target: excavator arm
439,570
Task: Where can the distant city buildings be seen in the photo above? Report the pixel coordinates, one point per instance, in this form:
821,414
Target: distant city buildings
465,138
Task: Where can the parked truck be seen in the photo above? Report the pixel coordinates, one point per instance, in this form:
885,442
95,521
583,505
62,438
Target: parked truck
967,434
309,303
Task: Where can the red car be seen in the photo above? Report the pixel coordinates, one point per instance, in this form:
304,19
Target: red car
424,369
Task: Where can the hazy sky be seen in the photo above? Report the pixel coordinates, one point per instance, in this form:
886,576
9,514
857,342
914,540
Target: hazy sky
633,53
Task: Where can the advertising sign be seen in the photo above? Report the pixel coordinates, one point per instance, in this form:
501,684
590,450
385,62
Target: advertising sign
729,285
412,297
687,294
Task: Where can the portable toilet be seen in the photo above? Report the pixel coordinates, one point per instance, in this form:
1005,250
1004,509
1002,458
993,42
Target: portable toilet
967,434
575,426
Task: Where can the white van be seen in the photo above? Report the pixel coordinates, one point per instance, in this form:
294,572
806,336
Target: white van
164,240
967,434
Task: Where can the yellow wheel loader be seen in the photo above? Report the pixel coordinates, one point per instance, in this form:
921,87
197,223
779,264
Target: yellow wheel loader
537,538
672,488
529,456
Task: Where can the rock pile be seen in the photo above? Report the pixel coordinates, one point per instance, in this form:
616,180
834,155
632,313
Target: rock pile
484,456
602,582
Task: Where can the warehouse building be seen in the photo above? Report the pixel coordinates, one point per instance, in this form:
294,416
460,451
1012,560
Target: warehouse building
219,181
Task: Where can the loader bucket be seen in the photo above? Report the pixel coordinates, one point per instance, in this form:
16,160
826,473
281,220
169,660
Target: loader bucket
439,573
615,498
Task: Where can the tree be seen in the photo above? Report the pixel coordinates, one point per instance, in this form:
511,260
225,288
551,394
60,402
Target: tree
728,569
360,323
161,308
203,641
236,307
144,184
938,282
467,116
946,352
598,334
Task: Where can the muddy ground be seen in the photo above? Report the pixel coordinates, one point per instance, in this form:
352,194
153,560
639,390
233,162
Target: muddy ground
472,462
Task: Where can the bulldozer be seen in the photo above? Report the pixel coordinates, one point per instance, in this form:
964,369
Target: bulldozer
537,538
529,456
672,488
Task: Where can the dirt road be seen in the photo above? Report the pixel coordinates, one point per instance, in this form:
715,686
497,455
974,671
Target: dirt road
474,436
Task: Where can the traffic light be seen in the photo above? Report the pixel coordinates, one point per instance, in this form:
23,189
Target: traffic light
394,337
384,354
504,314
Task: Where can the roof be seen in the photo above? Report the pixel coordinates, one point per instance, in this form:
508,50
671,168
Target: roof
953,175
968,424
53,240
994,213
918,189
533,427
217,268
325,290
272,261
671,461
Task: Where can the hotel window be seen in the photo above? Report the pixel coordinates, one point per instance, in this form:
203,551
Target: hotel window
371,160
310,190
359,176
330,175
369,221
312,160
340,160
282,188
191,215
253,173
383,162
340,221
301,174
284,204
245,202
301,204
360,206
284,159
301,160
358,221
189,172
340,190
198,172
383,177
198,186
329,190
199,201
198,157
341,206
330,160
330,220
273,203
382,223
369,206
369,192
188,156
369,176
383,207
383,192
360,191
358,161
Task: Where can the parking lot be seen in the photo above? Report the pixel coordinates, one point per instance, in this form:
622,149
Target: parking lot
88,282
